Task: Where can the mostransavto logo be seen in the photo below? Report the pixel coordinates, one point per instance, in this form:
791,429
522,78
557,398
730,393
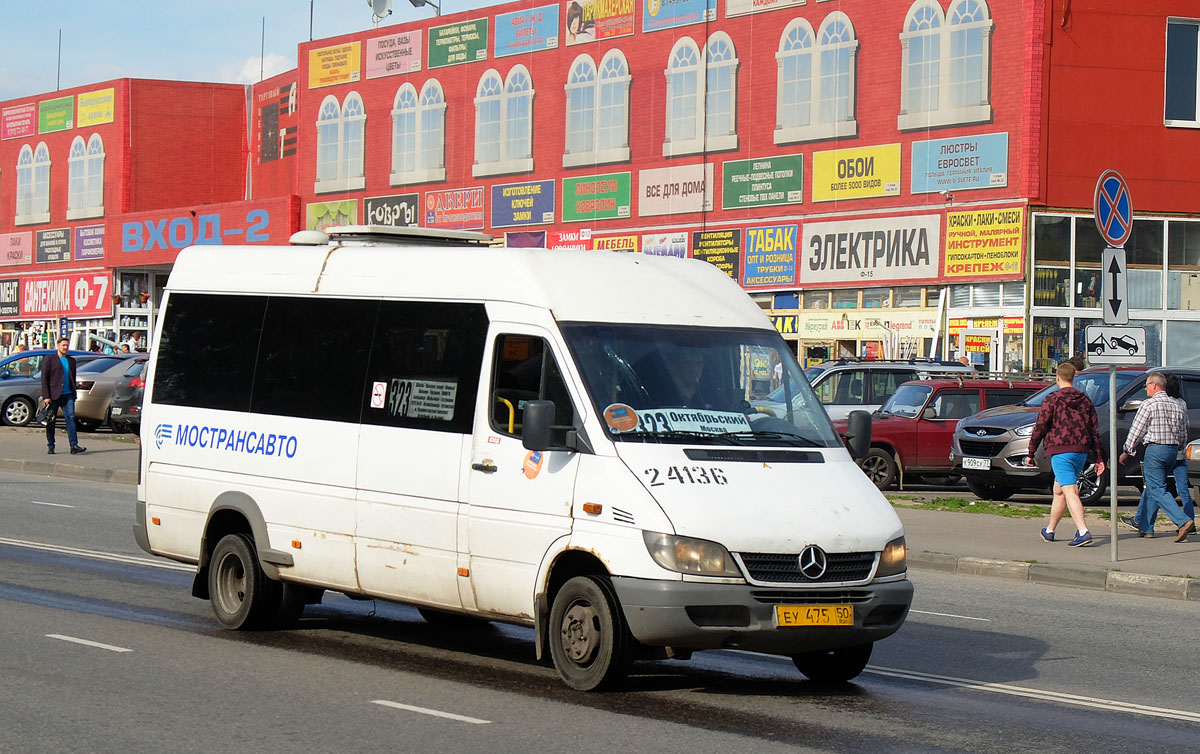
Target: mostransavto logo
162,433
244,441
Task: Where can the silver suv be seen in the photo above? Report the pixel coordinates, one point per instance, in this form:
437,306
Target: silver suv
849,385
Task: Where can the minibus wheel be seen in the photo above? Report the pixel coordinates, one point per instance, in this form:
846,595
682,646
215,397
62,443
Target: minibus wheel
834,665
242,596
589,641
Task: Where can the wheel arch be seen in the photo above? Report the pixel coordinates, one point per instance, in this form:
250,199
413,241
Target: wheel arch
233,513
563,567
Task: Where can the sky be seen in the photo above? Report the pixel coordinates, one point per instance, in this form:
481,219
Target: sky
187,40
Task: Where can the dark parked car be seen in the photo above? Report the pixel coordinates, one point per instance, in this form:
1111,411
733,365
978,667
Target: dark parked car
21,383
1193,466
990,447
911,434
126,412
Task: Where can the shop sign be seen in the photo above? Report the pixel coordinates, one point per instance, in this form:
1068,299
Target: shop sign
394,54
955,325
840,174
398,210
1014,325
860,325
615,243
457,209
873,251
571,240
322,215
523,204
675,190
17,248
54,245
665,244
89,242
95,108
596,197
762,182
339,64
1011,325
787,324
770,256
525,239
524,31
76,296
668,14
746,7
720,248
56,115
985,244
958,164
453,44
592,20
977,343
18,121
181,231
10,298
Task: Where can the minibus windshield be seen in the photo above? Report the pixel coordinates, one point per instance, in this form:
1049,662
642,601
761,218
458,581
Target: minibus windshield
692,385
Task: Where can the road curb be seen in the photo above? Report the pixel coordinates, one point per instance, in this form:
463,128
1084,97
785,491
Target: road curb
69,471
1080,577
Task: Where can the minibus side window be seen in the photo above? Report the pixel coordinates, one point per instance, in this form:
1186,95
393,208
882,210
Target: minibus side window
424,368
207,351
312,361
525,370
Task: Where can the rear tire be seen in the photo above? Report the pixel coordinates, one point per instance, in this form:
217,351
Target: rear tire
880,468
834,665
590,643
988,490
1091,489
242,597
18,412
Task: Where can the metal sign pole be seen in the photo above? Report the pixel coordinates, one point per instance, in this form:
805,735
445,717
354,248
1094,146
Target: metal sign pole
1112,459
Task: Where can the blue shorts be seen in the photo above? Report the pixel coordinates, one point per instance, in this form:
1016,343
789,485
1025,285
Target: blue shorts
1067,467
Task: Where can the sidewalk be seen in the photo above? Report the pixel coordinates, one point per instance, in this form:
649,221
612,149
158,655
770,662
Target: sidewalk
966,543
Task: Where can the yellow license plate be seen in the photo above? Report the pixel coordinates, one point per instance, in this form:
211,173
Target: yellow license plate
787,616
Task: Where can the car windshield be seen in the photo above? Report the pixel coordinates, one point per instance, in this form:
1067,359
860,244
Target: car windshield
907,400
692,385
1092,384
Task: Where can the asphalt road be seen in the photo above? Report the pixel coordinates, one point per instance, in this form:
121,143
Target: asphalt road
103,649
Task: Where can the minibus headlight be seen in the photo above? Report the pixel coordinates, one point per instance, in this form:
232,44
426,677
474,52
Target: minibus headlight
687,555
894,558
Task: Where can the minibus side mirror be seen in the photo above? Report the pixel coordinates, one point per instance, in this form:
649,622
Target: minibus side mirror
537,424
858,434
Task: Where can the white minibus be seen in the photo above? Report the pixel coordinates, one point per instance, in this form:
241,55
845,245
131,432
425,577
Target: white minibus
577,442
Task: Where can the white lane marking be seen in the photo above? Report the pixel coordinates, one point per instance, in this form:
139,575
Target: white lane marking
950,615
1048,696
52,505
431,712
97,555
87,643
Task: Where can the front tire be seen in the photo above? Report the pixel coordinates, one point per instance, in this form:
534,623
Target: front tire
833,665
590,643
242,597
1091,487
18,412
989,491
880,468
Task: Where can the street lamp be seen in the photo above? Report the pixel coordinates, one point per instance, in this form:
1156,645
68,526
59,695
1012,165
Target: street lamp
437,9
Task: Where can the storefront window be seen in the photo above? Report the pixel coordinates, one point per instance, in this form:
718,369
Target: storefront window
1052,258
1013,294
1088,277
816,300
1183,271
1014,352
1182,338
876,298
845,299
1051,342
960,296
1080,341
909,296
1154,347
1144,257
986,294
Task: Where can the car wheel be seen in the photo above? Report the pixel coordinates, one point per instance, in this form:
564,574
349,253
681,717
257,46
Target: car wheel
589,641
988,490
833,665
18,411
86,425
880,468
242,596
1091,487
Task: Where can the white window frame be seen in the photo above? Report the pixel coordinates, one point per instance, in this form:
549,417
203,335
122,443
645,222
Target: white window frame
33,185
1195,121
727,138
349,125
596,82
676,142
945,114
431,140
85,183
401,173
513,151
817,127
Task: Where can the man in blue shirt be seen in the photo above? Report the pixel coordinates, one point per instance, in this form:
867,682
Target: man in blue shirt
58,391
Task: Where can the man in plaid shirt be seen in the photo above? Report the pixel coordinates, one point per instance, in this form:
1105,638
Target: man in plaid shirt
1161,427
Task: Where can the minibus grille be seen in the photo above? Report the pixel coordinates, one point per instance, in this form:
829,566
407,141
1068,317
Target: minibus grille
811,597
784,568
756,456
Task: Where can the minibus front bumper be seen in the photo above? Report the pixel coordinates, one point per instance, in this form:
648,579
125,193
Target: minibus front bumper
691,615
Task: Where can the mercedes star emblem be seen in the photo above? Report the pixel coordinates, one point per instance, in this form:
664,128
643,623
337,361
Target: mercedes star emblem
812,562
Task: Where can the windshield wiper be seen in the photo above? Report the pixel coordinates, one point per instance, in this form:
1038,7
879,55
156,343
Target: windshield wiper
740,438
668,434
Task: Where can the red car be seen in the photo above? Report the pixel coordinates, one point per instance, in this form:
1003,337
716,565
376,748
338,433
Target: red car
912,433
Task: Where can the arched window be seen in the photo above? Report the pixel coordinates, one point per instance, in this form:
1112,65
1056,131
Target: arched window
685,113
817,80
341,144
431,137
418,127
404,133
720,93
597,111
946,66
33,185
24,185
504,123
85,181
